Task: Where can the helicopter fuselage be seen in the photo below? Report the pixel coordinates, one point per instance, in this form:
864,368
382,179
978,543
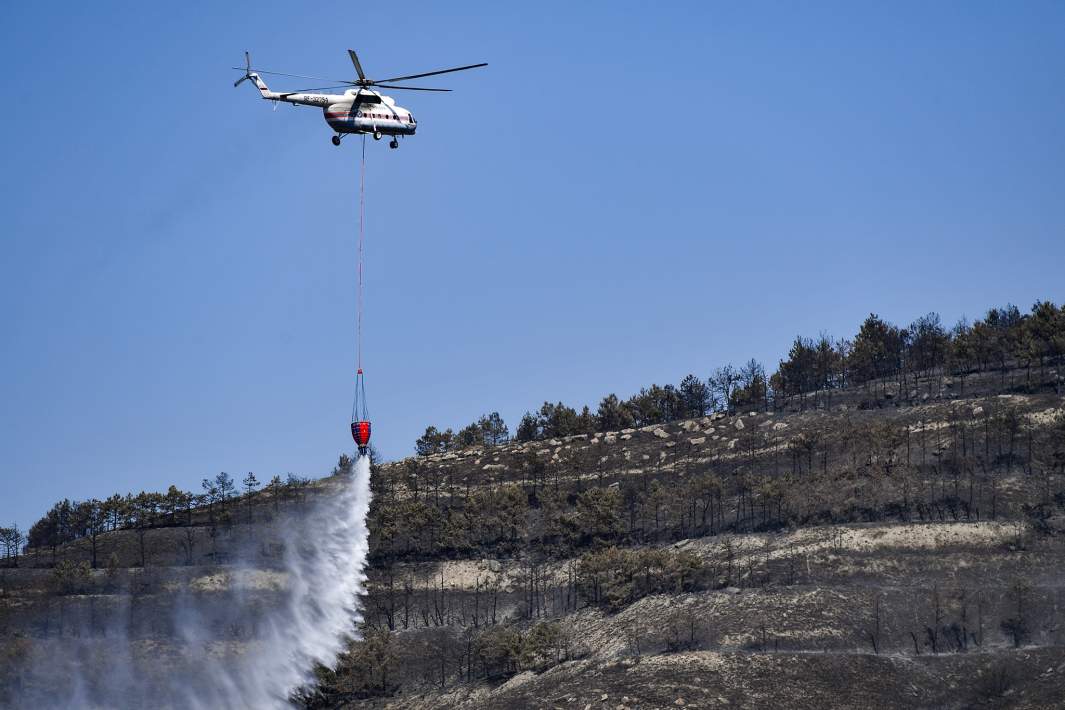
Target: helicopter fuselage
351,117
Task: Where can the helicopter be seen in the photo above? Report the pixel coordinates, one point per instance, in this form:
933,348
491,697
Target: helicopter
359,110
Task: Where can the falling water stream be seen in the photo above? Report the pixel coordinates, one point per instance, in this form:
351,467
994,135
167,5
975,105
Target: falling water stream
244,643
324,559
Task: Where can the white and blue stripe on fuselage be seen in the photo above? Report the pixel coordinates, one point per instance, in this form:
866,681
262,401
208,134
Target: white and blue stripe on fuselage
370,118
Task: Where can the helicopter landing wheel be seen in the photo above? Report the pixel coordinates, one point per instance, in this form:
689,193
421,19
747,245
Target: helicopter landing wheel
377,135
393,144
336,140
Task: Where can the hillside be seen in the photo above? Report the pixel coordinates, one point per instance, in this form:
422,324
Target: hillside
878,523
866,551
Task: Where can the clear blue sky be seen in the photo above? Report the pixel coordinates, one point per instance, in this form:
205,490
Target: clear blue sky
628,193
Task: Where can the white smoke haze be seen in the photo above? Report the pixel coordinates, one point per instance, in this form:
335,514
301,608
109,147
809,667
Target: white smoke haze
290,618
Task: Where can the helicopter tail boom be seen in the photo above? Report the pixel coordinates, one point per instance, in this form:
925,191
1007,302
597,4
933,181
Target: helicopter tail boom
261,86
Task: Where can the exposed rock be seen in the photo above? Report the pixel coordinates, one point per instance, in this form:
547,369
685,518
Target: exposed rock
628,431
661,433
977,411
689,425
609,439
732,444
554,442
697,441
732,590
739,424
493,467
780,426
626,437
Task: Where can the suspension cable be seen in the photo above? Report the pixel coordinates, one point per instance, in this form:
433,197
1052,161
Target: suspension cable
358,412
362,219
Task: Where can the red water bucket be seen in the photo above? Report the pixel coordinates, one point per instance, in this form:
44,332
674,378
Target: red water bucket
360,432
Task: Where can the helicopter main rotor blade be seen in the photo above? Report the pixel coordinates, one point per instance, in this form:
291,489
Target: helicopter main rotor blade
408,88
297,76
434,73
358,66
320,88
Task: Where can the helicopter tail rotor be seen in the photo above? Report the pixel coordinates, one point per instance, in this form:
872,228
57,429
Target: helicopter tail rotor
247,70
